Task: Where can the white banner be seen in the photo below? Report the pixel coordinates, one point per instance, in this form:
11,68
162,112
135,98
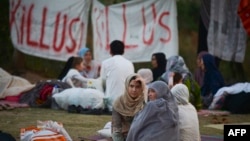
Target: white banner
51,29
145,26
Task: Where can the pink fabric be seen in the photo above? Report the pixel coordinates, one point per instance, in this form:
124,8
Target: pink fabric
12,98
212,112
45,92
14,104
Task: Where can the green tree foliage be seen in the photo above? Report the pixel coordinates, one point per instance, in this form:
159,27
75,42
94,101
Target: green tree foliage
6,47
188,14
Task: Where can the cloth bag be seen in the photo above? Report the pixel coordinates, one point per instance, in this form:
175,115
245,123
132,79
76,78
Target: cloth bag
44,131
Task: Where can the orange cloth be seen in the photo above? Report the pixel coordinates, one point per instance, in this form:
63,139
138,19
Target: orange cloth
42,134
244,14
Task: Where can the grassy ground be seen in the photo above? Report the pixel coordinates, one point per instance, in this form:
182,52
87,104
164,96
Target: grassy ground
78,125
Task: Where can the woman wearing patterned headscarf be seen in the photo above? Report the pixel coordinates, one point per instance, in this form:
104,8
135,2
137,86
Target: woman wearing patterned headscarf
159,119
176,64
158,61
188,118
126,106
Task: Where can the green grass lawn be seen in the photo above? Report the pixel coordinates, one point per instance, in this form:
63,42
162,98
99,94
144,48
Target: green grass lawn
78,125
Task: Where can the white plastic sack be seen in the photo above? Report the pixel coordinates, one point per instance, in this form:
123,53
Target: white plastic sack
95,84
106,131
84,97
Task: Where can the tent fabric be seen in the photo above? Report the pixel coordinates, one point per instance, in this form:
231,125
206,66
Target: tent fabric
226,34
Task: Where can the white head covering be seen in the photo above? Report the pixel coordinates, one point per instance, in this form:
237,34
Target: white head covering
181,94
146,74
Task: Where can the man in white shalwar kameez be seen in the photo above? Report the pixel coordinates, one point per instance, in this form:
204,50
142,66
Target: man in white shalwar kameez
114,72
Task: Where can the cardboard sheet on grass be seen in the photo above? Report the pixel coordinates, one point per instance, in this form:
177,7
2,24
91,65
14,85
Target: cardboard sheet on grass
221,126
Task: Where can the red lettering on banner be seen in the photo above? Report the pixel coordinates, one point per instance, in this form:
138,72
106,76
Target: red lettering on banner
99,40
150,40
125,28
167,39
42,44
81,35
13,11
125,22
22,25
101,26
61,32
73,47
29,21
58,48
107,31
13,14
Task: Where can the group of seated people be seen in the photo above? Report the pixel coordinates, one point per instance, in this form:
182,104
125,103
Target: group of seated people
202,85
167,95
81,71
173,99
167,114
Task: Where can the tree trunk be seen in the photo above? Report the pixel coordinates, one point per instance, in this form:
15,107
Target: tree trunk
18,62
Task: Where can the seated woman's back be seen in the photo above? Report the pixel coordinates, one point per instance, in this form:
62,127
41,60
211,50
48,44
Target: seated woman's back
188,118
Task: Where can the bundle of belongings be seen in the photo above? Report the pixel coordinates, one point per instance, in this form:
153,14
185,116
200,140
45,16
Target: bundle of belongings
80,100
11,87
234,98
41,95
45,131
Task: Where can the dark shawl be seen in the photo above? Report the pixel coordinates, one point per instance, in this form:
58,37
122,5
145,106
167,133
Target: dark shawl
213,80
199,73
66,68
161,61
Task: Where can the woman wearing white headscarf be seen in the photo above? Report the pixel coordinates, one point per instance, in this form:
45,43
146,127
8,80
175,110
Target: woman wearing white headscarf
126,106
188,118
147,76
158,121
